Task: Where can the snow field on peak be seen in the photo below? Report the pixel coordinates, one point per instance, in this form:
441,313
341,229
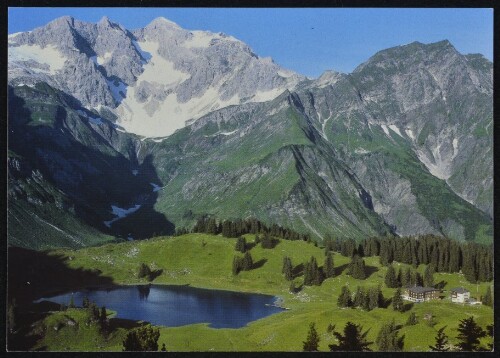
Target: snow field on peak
200,39
49,55
158,69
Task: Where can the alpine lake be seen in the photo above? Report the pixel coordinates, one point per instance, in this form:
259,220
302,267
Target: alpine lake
174,306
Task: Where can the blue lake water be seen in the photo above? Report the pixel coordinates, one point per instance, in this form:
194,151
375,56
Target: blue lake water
174,306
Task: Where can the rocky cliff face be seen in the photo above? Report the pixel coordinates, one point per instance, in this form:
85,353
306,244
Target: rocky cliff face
138,131
152,79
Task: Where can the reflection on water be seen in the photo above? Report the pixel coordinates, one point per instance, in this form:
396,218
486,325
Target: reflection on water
178,305
143,291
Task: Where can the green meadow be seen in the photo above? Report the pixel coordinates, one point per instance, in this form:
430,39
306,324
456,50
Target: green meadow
205,261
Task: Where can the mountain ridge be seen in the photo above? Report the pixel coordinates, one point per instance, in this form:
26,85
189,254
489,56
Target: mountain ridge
386,149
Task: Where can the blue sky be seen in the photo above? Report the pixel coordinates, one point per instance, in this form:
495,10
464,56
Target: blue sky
308,41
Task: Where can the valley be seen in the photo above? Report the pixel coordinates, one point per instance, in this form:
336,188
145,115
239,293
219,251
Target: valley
204,261
159,167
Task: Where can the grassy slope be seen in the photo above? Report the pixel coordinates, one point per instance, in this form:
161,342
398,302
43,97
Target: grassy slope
81,337
210,267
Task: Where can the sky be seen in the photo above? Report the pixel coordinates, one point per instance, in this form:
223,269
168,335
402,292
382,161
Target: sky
308,41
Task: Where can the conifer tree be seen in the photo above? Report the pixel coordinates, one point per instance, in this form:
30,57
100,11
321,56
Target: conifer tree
71,302
312,340
400,277
388,339
429,276
144,271
287,268
487,298
441,342
412,319
247,263
241,245
359,297
406,278
237,265
397,301
312,274
373,298
86,302
356,268
390,277
268,242
163,348
344,299
469,335
329,269
353,339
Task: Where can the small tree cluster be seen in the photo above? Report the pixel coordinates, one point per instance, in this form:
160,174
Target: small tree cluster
368,299
331,245
344,299
267,242
404,278
313,275
95,314
357,268
142,339
244,263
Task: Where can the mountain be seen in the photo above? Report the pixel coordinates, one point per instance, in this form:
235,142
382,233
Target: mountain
153,79
117,134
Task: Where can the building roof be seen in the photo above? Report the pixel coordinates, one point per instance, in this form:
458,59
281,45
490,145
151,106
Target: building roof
459,290
420,289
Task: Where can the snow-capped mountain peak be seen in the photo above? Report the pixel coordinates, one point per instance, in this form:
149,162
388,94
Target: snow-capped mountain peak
153,79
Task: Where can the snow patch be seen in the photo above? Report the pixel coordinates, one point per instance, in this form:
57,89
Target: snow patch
285,73
170,114
158,69
228,133
158,140
435,169
98,60
49,55
410,134
200,39
361,151
156,187
144,54
455,145
118,90
121,213
135,172
395,129
384,127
